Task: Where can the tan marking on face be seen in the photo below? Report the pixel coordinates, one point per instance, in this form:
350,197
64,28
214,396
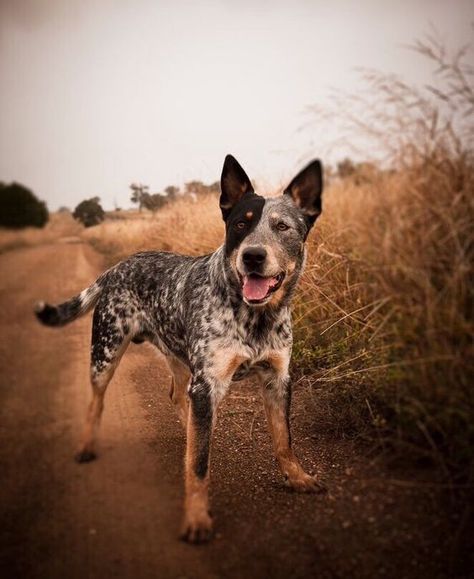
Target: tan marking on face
249,214
274,215
278,296
233,261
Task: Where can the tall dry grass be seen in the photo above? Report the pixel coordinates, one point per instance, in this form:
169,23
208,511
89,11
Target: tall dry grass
184,226
387,301
384,320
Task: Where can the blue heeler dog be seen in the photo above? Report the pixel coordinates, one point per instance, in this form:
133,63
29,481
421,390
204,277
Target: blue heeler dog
216,318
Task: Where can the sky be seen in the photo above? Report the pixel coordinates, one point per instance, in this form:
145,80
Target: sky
97,94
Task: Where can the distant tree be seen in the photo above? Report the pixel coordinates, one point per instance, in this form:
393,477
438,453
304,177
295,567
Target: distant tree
171,192
64,209
200,188
345,168
89,212
359,173
193,187
215,187
154,202
19,207
139,192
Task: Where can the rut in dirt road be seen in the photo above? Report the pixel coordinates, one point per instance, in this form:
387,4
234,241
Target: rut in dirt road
120,516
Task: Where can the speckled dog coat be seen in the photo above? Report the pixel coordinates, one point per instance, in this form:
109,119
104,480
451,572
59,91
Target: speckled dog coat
216,318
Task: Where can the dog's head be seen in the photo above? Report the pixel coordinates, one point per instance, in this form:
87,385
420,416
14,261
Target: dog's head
265,238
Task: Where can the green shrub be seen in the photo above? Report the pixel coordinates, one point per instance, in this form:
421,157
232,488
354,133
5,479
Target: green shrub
19,207
89,212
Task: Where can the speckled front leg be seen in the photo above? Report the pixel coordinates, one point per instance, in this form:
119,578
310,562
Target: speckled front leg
197,524
277,398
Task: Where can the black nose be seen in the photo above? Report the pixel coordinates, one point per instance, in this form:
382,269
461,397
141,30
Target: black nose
253,257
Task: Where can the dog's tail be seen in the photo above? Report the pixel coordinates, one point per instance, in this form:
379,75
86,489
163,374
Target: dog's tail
69,311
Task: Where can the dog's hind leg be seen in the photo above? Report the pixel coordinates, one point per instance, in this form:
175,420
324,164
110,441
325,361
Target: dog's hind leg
180,378
109,341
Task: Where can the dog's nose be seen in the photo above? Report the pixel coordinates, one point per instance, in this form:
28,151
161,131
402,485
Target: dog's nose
254,256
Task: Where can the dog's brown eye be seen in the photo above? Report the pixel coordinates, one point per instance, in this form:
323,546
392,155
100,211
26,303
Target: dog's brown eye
240,224
282,226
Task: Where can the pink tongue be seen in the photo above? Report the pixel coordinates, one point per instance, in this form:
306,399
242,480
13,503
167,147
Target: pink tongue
256,288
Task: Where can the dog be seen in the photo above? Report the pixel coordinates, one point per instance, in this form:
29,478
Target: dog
216,318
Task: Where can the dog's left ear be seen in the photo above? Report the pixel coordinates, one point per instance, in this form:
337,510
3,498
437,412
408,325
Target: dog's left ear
306,189
234,185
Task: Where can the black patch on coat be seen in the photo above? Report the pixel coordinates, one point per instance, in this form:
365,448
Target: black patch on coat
59,315
202,415
48,316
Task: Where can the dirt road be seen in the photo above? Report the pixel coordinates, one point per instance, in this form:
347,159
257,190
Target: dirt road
119,516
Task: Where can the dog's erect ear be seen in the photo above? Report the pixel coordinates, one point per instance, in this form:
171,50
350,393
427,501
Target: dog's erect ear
234,185
306,189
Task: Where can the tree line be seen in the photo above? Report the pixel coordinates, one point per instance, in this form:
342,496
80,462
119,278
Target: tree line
19,206
142,197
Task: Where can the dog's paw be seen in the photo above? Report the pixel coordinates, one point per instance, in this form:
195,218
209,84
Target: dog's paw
197,529
306,483
85,456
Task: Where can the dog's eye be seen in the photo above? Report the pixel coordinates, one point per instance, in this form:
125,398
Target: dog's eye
282,226
240,225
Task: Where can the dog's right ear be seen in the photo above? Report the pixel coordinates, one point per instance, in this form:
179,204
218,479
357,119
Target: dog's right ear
234,185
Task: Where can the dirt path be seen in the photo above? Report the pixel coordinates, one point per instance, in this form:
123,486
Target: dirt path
119,516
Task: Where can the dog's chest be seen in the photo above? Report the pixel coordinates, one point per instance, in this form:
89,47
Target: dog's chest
242,347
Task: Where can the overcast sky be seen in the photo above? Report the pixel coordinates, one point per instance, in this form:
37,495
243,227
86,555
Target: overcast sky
96,94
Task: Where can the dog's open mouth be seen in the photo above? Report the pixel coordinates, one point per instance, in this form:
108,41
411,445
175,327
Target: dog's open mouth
256,288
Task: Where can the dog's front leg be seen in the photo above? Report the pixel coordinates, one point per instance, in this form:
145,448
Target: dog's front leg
277,398
197,526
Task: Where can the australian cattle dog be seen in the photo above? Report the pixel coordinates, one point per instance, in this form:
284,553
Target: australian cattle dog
216,318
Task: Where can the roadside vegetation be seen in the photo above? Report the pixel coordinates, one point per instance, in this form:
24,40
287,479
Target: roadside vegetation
19,207
383,316
384,320
89,212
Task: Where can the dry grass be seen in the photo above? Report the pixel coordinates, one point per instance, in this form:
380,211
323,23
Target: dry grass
59,225
384,323
387,305
184,226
